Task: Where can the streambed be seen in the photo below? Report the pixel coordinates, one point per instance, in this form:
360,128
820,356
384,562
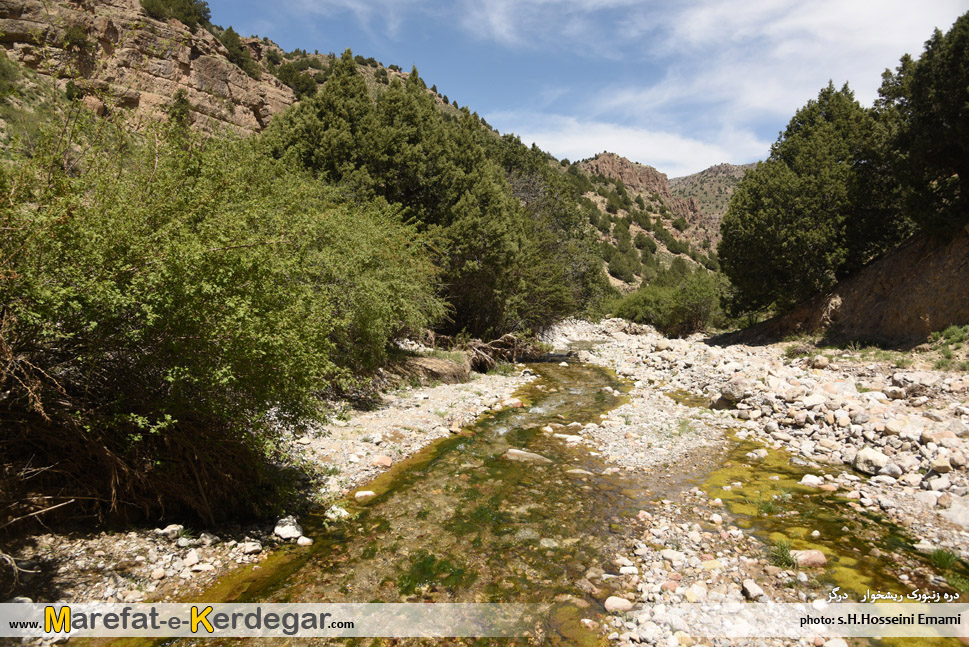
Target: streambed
460,523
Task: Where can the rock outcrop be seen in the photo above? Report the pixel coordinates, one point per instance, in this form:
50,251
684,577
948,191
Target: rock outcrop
127,59
646,180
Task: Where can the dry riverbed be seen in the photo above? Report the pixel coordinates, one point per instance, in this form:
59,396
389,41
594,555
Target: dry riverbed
864,441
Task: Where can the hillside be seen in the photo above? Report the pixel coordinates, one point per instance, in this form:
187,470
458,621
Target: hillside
711,189
113,56
912,291
642,227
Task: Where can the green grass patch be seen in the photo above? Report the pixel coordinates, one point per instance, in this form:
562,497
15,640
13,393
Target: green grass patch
780,554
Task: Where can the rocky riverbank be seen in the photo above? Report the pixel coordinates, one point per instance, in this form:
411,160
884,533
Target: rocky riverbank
885,441
175,562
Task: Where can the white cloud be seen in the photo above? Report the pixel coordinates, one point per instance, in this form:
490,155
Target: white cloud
671,153
734,67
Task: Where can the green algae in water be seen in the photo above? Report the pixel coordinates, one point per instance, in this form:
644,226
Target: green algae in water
427,570
688,399
796,510
773,504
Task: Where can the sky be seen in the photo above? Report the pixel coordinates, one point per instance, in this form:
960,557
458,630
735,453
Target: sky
680,85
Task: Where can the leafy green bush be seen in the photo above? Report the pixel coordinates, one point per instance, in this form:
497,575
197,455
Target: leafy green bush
180,109
75,37
675,304
162,295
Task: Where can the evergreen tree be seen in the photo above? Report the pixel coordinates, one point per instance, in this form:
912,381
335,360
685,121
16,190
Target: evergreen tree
926,107
815,211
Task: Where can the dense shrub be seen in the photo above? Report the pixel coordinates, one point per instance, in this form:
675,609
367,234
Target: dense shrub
9,75
75,37
273,57
238,53
621,268
303,85
162,295
645,243
675,303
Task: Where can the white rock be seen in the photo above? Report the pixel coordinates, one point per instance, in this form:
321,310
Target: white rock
870,461
304,541
250,547
172,531
810,480
525,457
287,528
617,605
752,590
671,555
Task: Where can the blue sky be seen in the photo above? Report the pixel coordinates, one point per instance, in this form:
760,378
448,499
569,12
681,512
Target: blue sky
676,85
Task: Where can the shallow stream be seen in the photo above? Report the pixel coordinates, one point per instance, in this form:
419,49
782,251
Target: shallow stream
460,523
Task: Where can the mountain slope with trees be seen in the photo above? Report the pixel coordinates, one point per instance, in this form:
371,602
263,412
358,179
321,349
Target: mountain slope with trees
712,189
845,185
236,282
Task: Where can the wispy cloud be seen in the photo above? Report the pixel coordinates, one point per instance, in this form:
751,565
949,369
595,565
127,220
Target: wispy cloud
378,17
716,76
726,67
671,153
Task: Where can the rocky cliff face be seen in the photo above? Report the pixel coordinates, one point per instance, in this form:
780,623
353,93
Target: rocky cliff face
646,180
118,56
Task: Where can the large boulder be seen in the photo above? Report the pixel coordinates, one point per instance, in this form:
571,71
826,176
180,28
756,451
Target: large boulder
870,461
735,389
958,512
287,528
809,558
